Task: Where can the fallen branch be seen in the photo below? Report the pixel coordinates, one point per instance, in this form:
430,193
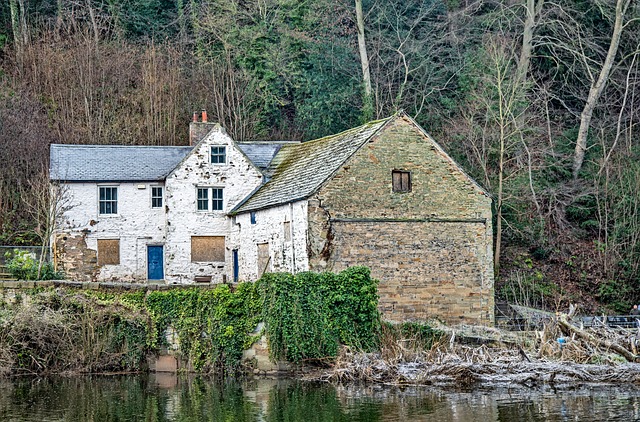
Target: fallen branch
572,329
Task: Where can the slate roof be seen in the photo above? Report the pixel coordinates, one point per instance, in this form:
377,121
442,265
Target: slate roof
299,170
261,153
113,163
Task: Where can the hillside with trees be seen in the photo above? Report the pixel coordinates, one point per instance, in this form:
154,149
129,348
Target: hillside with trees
537,100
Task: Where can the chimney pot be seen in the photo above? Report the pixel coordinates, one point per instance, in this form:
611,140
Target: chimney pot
204,116
195,117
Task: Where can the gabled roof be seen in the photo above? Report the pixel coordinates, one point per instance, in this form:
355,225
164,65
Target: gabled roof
113,163
299,170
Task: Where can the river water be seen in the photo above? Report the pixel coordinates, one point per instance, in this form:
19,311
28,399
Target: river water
156,398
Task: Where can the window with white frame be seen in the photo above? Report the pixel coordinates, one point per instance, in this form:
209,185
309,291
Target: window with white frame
218,155
156,197
108,199
210,199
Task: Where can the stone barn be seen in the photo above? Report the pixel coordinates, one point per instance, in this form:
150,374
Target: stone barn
383,195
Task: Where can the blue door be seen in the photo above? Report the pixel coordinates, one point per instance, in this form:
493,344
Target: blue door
236,266
154,263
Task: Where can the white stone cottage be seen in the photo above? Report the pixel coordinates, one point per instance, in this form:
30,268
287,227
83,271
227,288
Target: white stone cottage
384,195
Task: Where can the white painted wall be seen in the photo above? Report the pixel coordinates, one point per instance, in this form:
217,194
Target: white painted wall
136,225
238,177
286,254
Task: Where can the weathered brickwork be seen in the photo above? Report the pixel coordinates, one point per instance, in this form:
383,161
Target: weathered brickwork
74,258
431,247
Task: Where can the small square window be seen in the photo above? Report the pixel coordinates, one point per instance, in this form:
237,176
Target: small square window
156,197
253,217
401,181
108,202
218,155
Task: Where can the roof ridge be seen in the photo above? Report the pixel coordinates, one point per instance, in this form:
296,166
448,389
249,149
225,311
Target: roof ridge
119,146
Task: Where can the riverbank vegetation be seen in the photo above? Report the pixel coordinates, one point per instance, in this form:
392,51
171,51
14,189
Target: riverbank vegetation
308,317
537,100
326,323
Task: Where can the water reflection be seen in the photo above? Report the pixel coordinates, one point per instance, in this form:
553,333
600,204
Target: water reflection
159,398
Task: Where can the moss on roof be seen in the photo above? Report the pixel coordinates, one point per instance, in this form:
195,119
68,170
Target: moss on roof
297,171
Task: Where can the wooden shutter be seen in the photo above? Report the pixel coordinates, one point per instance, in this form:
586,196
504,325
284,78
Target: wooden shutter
207,249
108,251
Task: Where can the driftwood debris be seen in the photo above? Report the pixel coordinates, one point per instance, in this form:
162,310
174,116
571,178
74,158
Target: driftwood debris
602,343
562,353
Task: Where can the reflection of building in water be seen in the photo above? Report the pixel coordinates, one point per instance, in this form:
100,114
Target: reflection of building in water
259,391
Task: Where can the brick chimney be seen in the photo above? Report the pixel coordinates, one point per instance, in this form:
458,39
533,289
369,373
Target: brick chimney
199,129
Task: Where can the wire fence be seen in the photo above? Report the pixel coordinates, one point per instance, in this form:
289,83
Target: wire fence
35,250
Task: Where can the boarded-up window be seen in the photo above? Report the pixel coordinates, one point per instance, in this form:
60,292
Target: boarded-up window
263,258
401,181
108,251
207,249
287,231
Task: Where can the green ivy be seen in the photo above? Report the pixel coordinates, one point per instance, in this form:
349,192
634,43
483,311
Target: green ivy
214,326
308,315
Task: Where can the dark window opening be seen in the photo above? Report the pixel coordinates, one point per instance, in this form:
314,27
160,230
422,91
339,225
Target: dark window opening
401,181
210,199
253,217
203,199
216,199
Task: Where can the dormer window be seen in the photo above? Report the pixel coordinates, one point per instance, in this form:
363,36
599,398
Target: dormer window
219,155
401,181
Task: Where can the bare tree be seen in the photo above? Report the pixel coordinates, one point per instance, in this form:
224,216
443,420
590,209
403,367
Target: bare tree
364,62
533,10
598,85
46,204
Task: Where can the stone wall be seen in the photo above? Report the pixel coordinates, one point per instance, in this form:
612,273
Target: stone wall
430,247
427,269
72,256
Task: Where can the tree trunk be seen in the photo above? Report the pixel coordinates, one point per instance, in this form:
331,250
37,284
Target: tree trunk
15,27
182,20
24,31
604,343
59,13
533,10
598,87
364,61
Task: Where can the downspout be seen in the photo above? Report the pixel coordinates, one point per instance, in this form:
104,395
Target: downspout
293,243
